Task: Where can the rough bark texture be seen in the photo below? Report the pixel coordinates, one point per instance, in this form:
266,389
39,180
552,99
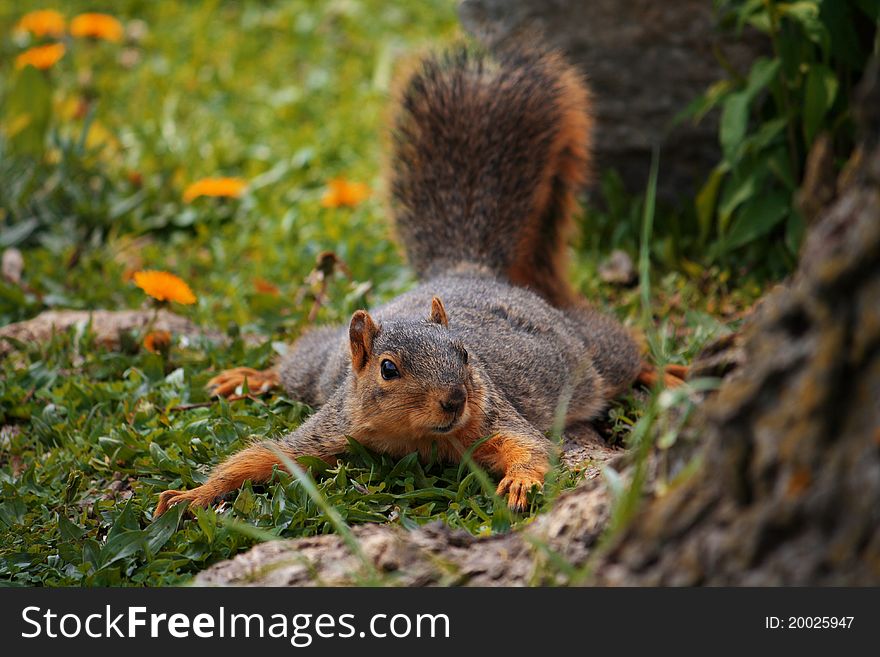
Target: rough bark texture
645,60
788,488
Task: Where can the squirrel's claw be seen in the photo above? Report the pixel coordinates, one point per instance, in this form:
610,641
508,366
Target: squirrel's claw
197,497
227,383
517,488
673,375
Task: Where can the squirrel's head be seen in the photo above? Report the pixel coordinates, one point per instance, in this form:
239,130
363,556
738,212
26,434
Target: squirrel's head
412,378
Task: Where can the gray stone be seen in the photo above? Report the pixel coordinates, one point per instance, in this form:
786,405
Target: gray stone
645,61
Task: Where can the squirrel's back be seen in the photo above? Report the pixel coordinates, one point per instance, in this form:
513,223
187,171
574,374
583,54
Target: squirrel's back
489,152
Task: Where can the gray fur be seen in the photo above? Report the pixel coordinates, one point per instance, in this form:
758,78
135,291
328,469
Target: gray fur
536,355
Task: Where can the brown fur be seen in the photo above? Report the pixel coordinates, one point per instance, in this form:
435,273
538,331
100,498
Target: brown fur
256,463
544,267
489,155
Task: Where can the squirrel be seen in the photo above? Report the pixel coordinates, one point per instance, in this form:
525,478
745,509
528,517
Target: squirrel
488,154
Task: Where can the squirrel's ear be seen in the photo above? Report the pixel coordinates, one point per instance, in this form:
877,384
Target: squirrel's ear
438,313
361,333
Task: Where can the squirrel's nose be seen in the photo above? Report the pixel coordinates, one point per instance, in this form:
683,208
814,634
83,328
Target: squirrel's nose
455,399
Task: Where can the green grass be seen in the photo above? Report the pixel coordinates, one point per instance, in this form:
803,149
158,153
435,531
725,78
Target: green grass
286,95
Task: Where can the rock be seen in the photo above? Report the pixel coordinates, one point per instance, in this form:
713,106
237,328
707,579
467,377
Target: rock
618,269
645,61
109,326
12,265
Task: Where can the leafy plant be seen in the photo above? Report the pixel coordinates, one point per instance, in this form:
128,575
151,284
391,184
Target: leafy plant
772,115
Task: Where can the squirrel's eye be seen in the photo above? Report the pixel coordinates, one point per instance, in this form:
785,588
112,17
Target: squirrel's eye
389,370
464,355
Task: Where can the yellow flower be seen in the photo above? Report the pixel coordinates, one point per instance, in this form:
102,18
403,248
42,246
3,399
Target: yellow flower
40,56
164,286
98,26
341,192
233,187
157,342
45,22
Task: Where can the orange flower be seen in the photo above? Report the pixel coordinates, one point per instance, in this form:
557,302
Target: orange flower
233,187
40,56
97,26
45,22
157,342
164,286
341,192
265,287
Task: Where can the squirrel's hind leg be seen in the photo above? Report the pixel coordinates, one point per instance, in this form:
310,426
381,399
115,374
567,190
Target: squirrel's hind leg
229,382
673,375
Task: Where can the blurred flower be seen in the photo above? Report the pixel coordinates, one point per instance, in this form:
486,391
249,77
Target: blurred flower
164,286
45,22
129,57
157,342
233,187
98,26
341,192
265,287
12,265
40,56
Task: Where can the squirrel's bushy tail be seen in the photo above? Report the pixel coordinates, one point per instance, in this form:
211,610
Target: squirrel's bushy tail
489,152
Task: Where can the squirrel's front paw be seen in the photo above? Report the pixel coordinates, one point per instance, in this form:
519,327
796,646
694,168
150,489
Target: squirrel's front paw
517,487
197,497
228,382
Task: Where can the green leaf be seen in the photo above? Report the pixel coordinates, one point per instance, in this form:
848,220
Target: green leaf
737,190
122,545
74,480
707,198
734,121
779,165
698,108
161,459
207,521
762,73
806,14
766,134
161,530
91,553
245,501
757,218
68,530
819,95
18,233
318,467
